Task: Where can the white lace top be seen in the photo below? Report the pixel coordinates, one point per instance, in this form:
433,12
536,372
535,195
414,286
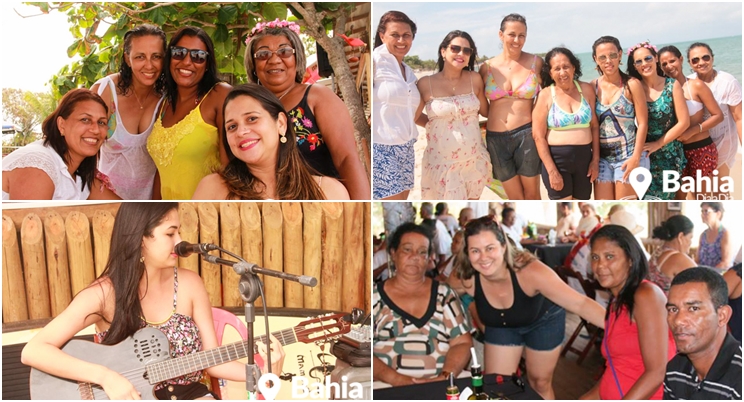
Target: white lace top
36,155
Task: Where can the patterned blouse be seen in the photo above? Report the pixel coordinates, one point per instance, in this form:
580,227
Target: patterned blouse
182,334
413,346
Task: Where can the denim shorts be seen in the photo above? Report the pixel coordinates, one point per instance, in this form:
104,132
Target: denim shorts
392,169
613,172
513,153
545,334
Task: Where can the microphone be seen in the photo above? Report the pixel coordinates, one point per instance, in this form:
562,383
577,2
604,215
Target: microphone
185,249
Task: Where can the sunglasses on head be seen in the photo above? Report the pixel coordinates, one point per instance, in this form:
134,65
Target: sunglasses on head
647,59
197,56
283,52
696,60
603,58
467,51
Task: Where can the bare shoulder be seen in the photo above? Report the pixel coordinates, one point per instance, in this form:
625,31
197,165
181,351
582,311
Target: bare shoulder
586,87
211,187
332,188
188,277
648,294
477,79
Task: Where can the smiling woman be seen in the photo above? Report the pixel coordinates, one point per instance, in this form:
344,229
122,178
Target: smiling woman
62,165
185,142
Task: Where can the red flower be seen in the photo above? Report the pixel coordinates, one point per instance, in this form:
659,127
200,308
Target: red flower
313,138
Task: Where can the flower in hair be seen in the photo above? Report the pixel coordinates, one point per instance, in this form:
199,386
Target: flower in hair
645,44
292,26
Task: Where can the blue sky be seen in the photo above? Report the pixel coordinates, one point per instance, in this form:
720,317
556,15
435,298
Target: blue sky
574,25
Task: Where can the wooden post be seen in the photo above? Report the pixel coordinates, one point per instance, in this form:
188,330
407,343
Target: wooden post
312,216
230,234
56,259
353,271
34,267
14,289
209,233
367,236
333,236
79,251
273,253
103,226
293,254
252,236
189,232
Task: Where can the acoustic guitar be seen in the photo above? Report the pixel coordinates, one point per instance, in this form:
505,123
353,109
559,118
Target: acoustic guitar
144,358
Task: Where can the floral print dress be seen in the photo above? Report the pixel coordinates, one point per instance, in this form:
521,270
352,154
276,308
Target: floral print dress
456,164
661,118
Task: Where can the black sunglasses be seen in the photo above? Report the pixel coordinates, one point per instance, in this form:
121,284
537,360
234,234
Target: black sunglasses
467,51
647,59
696,60
197,56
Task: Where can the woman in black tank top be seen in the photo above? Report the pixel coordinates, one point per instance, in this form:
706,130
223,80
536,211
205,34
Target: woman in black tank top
520,300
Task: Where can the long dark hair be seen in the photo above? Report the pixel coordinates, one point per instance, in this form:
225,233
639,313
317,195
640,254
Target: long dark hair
210,77
670,228
134,221
631,61
294,177
624,239
448,39
53,138
515,259
545,70
125,70
393,16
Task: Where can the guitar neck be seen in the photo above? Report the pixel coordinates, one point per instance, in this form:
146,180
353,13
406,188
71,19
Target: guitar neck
172,368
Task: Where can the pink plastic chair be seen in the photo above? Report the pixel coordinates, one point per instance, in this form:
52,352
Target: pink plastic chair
222,318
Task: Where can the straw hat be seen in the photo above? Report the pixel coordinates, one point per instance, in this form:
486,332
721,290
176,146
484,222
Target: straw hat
586,225
626,219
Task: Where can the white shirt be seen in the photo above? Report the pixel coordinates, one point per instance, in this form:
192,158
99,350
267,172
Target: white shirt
442,240
394,100
378,259
515,233
124,156
46,159
727,92
450,222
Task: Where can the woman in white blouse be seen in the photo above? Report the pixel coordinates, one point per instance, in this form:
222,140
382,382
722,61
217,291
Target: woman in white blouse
395,107
62,165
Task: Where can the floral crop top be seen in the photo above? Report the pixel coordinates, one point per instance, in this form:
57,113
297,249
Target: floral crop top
183,337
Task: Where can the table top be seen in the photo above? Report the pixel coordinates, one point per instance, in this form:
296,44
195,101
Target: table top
497,387
553,256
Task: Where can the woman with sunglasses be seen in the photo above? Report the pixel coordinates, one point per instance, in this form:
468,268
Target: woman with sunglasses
700,150
667,117
521,301
727,92
185,143
275,59
456,164
395,108
133,96
264,160
623,122
565,128
511,84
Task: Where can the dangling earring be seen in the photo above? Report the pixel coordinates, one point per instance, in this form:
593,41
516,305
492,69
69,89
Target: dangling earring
283,137
142,259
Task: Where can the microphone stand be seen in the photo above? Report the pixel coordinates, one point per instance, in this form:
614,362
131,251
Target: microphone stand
250,287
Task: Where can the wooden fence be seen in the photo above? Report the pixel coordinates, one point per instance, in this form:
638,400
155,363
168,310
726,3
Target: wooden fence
51,253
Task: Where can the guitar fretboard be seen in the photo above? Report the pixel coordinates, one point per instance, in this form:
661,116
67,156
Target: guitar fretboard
172,368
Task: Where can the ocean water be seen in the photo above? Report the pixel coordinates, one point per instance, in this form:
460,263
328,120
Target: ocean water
726,51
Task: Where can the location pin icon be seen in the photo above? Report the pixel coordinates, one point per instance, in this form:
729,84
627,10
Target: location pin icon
269,385
640,180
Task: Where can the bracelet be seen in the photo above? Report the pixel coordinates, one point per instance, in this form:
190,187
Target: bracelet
701,127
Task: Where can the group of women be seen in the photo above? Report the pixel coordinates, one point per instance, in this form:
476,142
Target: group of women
522,303
168,127
580,137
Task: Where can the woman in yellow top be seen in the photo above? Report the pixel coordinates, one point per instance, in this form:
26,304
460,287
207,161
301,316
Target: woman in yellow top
185,142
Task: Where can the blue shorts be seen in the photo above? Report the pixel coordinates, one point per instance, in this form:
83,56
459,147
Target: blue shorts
392,169
543,335
613,172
